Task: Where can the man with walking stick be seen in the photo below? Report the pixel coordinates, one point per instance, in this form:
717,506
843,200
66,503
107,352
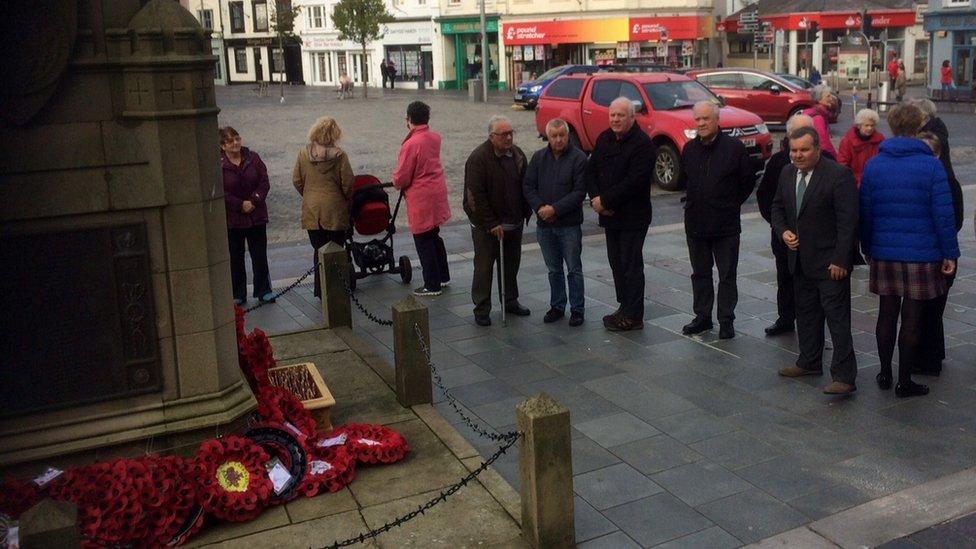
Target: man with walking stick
497,212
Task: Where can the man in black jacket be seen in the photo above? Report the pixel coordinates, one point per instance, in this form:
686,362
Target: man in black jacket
720,176
497,211
764,198
815,212
618,180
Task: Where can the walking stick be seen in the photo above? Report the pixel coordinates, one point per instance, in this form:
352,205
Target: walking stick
501,276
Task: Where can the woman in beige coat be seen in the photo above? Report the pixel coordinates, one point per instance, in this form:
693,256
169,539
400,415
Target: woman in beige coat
323,176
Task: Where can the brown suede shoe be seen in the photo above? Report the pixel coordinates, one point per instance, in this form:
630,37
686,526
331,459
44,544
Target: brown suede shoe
839,388
796,371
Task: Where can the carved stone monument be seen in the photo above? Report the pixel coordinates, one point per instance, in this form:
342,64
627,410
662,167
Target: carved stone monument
116,319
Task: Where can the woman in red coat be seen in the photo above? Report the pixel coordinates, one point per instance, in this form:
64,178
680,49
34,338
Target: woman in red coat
860,143
420,175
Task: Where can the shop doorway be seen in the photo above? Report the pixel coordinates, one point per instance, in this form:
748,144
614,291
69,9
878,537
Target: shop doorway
258,68
963,66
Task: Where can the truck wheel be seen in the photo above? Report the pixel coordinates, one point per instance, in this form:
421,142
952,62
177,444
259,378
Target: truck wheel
667,168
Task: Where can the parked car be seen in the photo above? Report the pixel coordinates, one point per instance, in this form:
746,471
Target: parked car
637,68
527,93
663,102
772,97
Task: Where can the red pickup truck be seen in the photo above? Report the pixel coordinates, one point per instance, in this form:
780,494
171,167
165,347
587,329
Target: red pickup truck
663,101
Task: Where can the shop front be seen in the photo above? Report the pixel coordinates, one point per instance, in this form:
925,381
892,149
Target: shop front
954,40
533,47
408,45
327,58
462,52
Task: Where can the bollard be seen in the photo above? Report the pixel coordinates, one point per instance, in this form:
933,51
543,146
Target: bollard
546,469
50,524
336,305
412,368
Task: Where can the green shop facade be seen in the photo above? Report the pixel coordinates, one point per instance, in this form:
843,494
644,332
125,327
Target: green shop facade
462,52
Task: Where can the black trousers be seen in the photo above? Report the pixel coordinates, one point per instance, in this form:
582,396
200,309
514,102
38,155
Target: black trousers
818,301
625,252
319,238
433,258
785,304
485,257
723,252
931,345
257,242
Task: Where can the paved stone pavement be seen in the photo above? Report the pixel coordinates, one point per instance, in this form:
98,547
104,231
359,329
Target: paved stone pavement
960,532
684,441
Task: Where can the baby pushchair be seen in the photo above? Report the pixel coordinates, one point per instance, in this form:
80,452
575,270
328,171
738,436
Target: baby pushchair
370,217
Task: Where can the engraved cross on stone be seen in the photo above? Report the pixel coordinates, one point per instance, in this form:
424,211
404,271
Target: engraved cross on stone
138,91
172,91
204,90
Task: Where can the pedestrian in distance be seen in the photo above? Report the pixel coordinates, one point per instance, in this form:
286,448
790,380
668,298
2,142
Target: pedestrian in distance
384,73
820,113
946,79
815,212
901,83
785,299
391,72
618,180
719,177
860,143
497,211
931,351
893,70
323,177
908,232
554,188
815,77
420,176
246,188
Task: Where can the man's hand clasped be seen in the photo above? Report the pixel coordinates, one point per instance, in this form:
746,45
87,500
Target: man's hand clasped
597,206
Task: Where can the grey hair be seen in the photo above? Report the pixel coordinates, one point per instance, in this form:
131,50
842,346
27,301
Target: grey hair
798,121
819,91
496,118
556,124
866,115
805,131
630,104
926,106
716,111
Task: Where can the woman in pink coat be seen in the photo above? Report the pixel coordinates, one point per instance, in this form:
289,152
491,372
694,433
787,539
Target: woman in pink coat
420,176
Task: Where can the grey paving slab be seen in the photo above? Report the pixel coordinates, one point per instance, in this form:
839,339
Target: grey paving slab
735,450
463,375
652,455
589,522
700,482
752,516
588,369
616,429
693,426
613,485
657,519
710,538
589,455
616,540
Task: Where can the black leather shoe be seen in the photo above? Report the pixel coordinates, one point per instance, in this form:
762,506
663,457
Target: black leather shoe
553,315
608,319
697,326
482,320
517,309
726,331
576,319
910,389
884,379
780,327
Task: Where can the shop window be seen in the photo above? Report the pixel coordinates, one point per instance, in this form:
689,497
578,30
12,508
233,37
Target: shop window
605,91
206,18
277,60
566,88
957,3
260,16
237,17
240,60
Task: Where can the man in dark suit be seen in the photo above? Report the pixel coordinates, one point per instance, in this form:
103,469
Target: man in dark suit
815,212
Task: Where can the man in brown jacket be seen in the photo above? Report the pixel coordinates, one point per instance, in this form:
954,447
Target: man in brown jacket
497,211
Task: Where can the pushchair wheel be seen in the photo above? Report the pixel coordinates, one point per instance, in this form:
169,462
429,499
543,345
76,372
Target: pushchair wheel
406,270
352,277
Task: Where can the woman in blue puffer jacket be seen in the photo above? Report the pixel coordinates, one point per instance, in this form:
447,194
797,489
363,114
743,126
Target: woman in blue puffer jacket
908,234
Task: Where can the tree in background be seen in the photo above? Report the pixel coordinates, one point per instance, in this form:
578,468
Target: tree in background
283,25
359,21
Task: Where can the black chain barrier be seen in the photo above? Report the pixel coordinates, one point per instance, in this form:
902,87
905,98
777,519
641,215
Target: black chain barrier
422,509
436,378
285,290
352,296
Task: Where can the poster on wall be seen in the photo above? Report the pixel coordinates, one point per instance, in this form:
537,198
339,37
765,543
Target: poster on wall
517,53
540,52
662,49
687,48
622,49
528,53
635,50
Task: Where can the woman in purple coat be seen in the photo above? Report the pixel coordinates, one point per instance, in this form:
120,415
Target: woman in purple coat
246,187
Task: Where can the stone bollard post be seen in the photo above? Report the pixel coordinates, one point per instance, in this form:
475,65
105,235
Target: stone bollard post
546,469
336,305
50,524
412,368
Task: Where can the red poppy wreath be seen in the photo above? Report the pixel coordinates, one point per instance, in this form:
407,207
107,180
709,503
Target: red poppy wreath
231,480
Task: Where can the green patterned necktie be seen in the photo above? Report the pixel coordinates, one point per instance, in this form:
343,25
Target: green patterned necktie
801,189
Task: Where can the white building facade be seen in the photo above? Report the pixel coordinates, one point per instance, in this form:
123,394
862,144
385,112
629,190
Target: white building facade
208,13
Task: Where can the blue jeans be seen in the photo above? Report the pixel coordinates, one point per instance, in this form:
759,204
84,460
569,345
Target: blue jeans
563,244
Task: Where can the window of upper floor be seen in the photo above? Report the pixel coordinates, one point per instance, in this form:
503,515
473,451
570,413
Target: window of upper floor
206,18
237,17
316,17
260,16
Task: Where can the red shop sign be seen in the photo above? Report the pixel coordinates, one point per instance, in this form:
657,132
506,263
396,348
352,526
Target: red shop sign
679,27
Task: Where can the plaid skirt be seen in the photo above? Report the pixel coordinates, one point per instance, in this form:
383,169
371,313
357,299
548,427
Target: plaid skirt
909,280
